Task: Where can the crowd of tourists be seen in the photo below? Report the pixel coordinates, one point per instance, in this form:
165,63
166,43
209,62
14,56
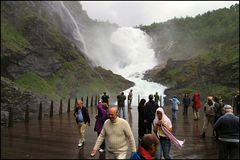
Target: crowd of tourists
155,129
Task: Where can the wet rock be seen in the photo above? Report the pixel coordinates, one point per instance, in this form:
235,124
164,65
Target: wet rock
12,96
4,118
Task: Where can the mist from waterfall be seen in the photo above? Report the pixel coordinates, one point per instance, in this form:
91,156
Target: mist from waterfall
135,56
130,56
127,51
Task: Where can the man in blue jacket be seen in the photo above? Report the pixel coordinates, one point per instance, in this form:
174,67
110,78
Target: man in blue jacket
82,119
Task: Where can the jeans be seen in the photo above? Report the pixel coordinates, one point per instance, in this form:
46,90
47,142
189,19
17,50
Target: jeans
174,114
123,110
164,148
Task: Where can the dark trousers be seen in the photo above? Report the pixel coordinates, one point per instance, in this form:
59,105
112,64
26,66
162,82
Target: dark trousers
103,144
142,129
185,110
149,127
238,109
228,150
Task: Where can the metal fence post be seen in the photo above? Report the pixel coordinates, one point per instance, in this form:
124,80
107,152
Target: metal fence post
51,109
68,109
87,102
60,108
27,114
40,112
91,101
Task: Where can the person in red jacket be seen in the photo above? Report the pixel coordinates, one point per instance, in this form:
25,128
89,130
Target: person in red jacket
197,104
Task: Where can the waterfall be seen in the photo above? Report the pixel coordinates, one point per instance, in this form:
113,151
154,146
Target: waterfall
130,56
135,56
76,33
66,19
126,51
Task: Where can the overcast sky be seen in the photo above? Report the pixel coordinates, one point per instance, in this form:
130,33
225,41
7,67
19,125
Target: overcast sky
133,13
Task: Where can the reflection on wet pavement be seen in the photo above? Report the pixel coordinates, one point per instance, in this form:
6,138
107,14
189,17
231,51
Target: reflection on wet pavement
57,137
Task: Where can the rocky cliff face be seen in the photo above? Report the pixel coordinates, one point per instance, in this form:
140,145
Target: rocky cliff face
17,98
44,56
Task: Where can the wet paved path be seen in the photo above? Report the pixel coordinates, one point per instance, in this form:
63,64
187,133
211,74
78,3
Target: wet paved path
57,138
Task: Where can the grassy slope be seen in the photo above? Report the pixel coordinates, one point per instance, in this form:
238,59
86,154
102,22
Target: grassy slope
215,68
74,78
208,77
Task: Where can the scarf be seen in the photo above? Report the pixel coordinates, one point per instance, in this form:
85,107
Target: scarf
166,121
176,142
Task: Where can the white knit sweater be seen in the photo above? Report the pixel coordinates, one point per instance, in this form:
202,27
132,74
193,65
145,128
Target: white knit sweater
117,135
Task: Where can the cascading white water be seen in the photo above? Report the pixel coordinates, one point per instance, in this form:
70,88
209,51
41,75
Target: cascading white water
131,57
68,22
139,57
76,32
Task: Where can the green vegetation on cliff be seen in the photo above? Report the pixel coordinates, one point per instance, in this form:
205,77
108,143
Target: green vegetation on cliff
202,53
38,54
76,78
185,38
11,38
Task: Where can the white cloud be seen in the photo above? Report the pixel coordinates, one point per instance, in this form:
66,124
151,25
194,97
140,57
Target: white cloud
132,13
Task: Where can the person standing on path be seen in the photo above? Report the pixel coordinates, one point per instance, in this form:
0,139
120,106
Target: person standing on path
105,98
121,104
218,110
209,115
186,102
130,97
142,119
175,103
82,119
101,117
197,104
156,97
151,108
227,126
236,101
117,133
160,120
